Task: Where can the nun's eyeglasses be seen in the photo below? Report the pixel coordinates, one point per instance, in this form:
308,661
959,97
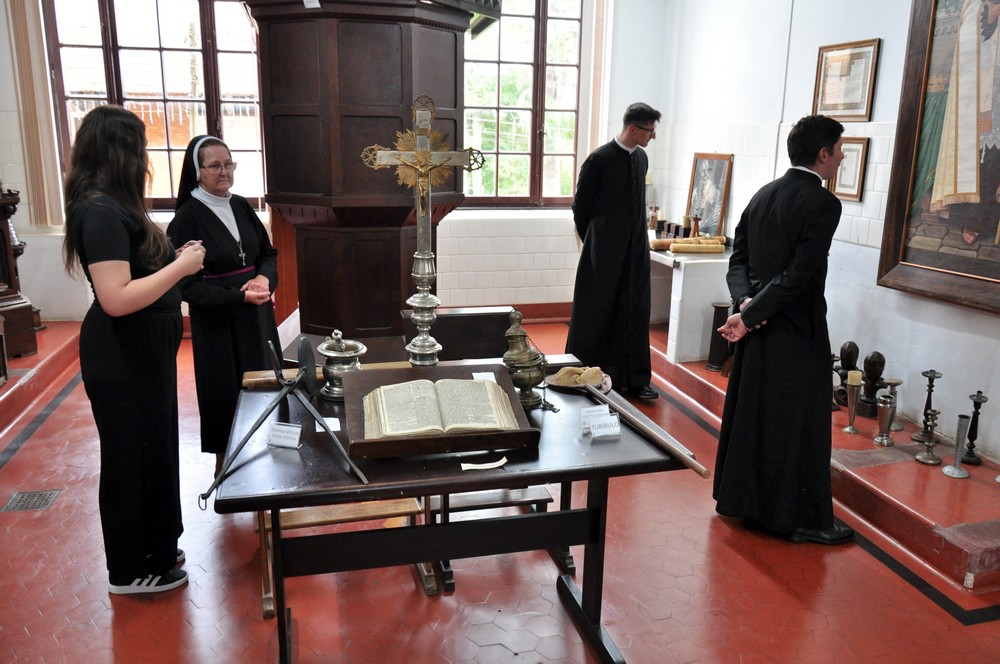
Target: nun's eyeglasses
217,168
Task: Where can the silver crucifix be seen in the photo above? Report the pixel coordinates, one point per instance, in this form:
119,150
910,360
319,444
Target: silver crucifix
421,162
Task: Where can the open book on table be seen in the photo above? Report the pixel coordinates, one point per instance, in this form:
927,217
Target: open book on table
446,406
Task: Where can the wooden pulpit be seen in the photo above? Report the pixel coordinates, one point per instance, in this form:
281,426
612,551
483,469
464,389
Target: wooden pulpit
19,318
334,80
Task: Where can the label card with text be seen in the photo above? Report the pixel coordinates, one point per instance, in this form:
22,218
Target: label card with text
282,434
605,426
593,411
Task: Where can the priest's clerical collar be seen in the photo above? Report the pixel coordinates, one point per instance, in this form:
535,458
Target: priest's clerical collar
809,170
630,150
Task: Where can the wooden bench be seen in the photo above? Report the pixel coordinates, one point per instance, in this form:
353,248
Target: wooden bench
314,517
536,498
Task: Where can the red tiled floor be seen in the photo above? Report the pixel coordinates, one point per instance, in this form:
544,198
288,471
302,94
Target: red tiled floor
682,584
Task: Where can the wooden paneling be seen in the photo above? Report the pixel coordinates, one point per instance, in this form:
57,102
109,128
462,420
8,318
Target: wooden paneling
334,81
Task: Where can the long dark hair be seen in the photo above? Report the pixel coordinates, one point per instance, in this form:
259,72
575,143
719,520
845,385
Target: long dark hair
109,157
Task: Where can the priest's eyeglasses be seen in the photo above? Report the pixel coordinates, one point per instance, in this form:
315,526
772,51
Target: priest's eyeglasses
217,168
651,130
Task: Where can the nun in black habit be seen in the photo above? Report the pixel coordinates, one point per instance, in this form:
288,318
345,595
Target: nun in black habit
229,301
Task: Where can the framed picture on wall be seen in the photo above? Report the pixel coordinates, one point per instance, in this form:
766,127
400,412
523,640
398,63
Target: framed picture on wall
709,191
941,237
845,80
849,182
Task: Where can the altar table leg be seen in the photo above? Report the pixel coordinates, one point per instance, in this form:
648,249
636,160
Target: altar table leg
283,615
425,571
585,606
266,583
562,557
444,566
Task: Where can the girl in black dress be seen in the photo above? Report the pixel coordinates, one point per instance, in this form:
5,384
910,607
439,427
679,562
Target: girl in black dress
128,347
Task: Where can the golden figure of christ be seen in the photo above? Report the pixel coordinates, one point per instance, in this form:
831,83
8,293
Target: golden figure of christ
421,157
422,161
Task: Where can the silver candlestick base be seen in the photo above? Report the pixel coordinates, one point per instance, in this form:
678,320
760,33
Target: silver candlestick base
423,348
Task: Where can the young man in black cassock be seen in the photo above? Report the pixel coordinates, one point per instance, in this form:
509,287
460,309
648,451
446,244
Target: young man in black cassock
773,463
609,326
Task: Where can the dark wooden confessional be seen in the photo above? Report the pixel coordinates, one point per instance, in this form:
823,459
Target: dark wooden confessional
335,80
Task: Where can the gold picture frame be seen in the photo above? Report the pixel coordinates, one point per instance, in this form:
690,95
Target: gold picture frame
845,80
709,191
924,248
848,184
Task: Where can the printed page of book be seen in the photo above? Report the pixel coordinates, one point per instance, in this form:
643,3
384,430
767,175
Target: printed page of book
409,408
474,405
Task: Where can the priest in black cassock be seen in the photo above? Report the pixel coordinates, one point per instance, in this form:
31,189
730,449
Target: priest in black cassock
609,326
773,461
229,301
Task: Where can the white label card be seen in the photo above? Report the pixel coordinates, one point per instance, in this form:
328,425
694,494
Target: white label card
605,426
331,422
311,4
484,375
587,413
282,434
593,411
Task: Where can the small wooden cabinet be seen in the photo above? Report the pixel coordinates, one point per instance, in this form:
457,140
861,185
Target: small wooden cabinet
18,316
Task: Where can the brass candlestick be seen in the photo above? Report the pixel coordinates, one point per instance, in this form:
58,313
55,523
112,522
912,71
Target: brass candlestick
931,375
927,456
970,457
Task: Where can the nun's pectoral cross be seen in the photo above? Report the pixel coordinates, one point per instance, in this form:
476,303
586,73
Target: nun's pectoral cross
422,161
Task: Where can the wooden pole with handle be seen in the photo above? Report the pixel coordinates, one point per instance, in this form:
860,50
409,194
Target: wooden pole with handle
647,427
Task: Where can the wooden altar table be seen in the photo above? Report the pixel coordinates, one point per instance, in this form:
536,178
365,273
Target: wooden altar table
270,479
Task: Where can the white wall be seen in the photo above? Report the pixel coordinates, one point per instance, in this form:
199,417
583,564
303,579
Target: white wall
728,57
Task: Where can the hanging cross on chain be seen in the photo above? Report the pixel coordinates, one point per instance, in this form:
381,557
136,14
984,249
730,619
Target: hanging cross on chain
422,161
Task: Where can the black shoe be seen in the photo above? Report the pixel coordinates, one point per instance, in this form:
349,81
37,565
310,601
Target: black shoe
644,392
836,534
151,583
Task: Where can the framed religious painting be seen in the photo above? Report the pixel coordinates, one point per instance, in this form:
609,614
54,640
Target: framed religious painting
845,80
849,182
941,237
709,191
